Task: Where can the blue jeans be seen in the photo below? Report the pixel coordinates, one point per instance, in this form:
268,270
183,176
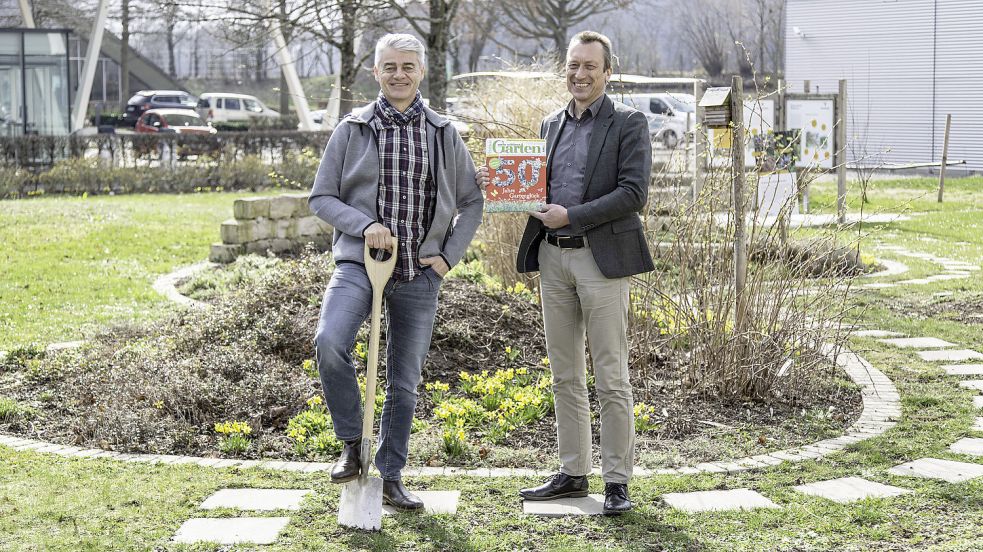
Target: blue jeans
409,309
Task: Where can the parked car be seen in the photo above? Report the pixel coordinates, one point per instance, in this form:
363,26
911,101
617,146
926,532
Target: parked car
156,99
182,121
224,107
179,121
666,114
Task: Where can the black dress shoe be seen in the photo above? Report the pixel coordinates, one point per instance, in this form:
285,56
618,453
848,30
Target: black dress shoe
616,500
559,485
396,495
349,465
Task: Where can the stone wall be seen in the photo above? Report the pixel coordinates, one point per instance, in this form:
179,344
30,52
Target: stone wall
278,224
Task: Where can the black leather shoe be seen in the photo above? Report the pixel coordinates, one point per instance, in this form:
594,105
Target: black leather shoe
349,465
396,495
559,485
616,500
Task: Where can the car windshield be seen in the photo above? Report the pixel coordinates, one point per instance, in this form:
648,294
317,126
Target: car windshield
184,120
187,100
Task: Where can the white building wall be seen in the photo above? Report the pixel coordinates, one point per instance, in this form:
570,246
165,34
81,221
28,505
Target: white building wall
907,62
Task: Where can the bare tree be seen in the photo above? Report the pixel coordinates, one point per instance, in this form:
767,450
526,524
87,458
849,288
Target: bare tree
704,30
473,28
551,20
435,28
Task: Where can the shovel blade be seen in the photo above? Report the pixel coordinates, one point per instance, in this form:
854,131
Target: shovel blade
361,504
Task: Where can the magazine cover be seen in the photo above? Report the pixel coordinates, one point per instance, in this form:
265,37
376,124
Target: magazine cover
517,175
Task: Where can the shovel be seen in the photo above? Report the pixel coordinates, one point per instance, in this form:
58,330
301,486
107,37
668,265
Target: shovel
361,499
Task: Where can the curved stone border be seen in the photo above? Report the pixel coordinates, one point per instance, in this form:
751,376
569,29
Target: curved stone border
166,285
882,408
891,268
953,269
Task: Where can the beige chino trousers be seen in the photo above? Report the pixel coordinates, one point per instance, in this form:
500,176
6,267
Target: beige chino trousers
581,306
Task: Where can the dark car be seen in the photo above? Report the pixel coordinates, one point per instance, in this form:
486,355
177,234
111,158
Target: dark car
156,99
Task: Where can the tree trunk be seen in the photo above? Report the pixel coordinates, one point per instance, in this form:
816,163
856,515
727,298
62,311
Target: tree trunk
437,46
349,67
124,55
284,89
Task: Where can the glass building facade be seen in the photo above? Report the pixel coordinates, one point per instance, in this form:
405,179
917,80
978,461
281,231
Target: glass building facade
35,87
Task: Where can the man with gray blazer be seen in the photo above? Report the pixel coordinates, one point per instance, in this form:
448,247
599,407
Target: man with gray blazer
586,243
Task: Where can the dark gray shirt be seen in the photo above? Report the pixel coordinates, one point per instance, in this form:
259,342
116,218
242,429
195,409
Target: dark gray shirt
570,160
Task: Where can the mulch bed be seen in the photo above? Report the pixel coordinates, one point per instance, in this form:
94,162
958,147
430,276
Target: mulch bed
161,388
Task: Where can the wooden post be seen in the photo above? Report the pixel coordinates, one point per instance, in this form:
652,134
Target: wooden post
841,107
740,219
698,137
945,154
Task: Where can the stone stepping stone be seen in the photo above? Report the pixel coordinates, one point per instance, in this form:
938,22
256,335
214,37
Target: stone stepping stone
879,285
256,499
964,369
434,502
710,501
590,505
876,333
848,489
934,468
978,402
976,385
968,445
978,425
918,342
950,355
254,530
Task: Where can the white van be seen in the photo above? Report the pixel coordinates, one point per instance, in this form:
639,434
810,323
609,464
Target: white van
221,107
667,113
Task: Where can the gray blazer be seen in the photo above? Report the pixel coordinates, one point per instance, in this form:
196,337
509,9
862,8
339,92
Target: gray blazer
616,182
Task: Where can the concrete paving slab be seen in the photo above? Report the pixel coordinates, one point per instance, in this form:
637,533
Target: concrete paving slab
876,333
964,369
976,385
434,502
978,424
968,445
879,285
934,468
256,499
706,501
950,355
848,489
918,342
978,402
591,505
231,531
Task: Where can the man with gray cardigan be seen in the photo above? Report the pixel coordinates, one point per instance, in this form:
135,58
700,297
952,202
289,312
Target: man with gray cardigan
393,168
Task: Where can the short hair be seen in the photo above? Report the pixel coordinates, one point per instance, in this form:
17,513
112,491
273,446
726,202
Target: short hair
402,42
586,37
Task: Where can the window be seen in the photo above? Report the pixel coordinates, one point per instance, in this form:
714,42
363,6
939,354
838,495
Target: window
252,105
203,103
218,103
658,107
232,103
178,120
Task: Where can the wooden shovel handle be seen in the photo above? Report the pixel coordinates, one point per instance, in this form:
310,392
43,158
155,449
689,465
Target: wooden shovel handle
379,273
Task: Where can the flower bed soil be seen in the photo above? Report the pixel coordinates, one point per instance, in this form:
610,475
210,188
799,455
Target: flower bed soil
162,388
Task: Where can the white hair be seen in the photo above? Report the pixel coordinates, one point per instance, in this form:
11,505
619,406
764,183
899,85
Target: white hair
403,43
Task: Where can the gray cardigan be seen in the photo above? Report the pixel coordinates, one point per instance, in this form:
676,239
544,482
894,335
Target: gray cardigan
346,187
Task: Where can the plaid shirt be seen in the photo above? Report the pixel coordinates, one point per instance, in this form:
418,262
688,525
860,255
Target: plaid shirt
407,193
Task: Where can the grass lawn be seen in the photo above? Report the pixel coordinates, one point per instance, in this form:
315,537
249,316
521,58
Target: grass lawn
72,265
50,503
